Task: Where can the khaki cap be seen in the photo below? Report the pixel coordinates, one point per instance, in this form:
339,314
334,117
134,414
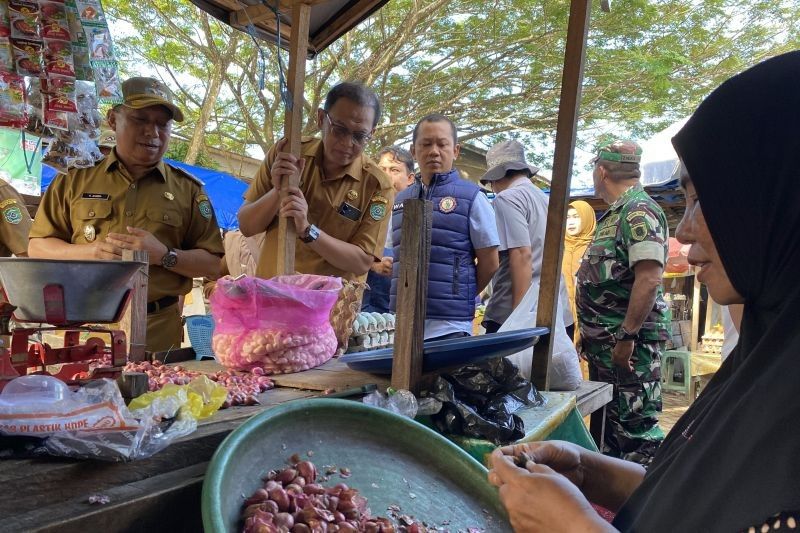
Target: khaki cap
107,138
138,93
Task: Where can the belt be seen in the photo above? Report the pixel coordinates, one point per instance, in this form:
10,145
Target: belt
161,303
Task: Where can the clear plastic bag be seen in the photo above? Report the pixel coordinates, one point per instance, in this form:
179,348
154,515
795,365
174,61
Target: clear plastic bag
565,370
281,324
93,422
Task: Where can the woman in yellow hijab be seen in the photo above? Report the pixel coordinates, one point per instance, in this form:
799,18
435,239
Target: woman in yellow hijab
581,224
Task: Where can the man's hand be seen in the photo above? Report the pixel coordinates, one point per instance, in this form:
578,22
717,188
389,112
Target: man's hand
295,206
384,267
621,355
139,239
285,164
100,249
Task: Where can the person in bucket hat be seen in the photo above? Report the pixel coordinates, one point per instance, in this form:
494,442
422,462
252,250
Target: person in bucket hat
133,200
521,213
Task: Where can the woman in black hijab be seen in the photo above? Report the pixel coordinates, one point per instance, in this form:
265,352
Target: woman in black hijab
732,462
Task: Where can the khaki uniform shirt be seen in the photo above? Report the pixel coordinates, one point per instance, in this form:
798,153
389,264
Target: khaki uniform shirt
15,223
89,203
353,208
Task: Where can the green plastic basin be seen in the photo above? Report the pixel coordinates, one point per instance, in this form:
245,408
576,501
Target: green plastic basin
393,461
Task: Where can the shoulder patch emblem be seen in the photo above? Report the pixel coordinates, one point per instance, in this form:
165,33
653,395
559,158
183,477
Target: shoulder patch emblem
636,214
447,204
377,210
639,231
204,205
379,199
12,214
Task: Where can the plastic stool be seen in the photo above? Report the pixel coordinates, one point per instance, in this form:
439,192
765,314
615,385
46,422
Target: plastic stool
668,381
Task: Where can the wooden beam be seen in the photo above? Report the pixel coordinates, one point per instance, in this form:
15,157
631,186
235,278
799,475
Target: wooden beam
134,321
287,233
251,15
412,294
572,79
343,21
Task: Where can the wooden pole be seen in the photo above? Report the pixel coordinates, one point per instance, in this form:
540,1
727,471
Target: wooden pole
298,48
412,293
134,320
572,79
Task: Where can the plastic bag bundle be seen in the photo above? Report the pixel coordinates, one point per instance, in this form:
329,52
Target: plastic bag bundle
281,324
94,422
479,400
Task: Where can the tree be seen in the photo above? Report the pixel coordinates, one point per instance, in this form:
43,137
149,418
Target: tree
495,67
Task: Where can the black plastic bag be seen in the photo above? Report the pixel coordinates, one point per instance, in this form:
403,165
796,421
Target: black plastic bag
479,400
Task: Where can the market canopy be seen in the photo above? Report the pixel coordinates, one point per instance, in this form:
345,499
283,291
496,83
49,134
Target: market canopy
329,20
224,190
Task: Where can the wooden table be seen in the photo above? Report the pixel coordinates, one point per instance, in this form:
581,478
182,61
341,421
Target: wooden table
162,493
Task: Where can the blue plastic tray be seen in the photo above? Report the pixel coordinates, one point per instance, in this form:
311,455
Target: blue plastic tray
450,352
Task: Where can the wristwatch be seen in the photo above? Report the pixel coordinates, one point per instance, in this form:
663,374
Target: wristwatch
622,335
310,235
170,259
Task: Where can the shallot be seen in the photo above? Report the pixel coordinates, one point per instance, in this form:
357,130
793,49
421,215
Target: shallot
311,507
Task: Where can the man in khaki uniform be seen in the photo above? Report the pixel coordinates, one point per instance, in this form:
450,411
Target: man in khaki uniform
15,224
341,208
133,200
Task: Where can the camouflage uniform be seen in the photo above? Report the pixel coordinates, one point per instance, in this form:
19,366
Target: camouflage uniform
633,229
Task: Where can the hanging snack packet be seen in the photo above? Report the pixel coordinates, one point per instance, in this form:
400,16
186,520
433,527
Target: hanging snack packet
5,25
33,97
6,57
106,79
13,112
58,58
27,56
90,11
54,21
99,39
88,118
74,23
80,56
59,95
24,19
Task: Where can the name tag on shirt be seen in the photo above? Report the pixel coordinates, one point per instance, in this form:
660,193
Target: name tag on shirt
349,211
96,196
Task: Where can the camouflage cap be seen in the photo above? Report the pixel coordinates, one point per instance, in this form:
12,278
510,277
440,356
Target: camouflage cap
138,93
107,138
619,151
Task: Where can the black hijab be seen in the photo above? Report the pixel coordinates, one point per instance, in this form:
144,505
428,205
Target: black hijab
733,459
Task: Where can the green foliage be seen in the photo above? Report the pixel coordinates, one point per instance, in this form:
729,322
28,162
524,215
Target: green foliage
177,151
494,66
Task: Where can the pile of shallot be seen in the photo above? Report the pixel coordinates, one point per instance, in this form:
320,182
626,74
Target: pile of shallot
243,388
291,500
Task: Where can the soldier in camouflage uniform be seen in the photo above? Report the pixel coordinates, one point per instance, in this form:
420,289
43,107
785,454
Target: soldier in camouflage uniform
623,319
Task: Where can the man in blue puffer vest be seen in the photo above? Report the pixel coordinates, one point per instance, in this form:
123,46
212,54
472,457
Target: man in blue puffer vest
464,240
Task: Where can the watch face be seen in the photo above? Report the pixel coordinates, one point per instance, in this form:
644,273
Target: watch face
170,259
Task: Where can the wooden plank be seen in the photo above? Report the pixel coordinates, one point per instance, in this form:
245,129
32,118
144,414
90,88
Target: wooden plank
332,375
134,321
146,505
571,81
287,233
593,395
341,23
412,293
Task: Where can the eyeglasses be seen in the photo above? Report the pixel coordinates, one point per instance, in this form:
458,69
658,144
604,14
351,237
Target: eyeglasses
359,138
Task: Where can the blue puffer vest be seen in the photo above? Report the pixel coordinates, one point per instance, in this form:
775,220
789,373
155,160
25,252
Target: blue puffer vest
452,277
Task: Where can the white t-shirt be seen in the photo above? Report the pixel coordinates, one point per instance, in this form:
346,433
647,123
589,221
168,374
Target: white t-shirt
521,213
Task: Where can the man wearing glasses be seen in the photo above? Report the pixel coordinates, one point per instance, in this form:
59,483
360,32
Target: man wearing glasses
341,206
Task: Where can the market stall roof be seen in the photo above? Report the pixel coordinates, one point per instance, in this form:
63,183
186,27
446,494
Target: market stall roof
330,19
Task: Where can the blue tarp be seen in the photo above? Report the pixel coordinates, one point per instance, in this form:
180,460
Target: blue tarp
224,190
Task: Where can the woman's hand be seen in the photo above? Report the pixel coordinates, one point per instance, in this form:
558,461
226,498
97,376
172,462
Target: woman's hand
537,497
